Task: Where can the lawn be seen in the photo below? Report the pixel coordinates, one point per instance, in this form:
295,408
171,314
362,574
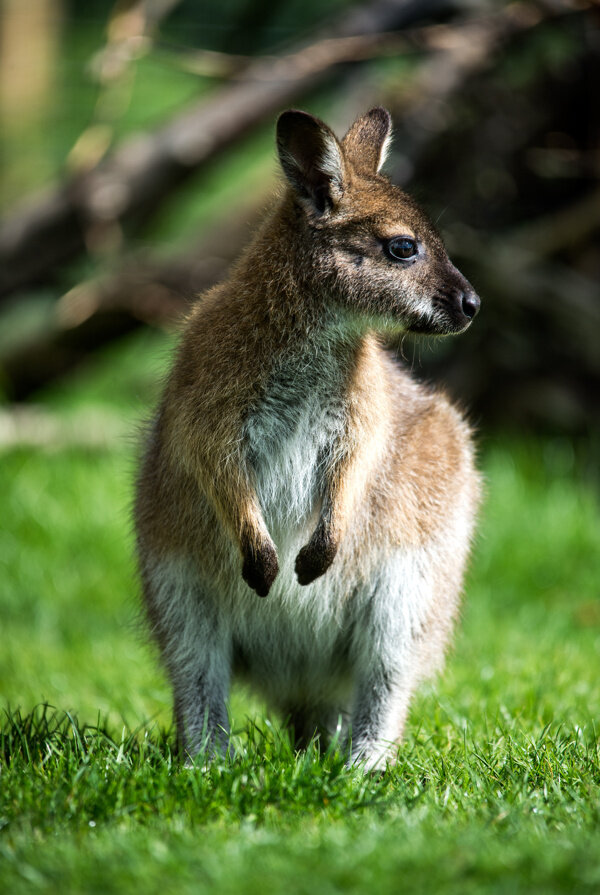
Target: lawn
497,787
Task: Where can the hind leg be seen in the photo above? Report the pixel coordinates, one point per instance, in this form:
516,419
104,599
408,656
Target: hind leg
196,651
384,690
306,723
324,722
381,706
200,690
389,653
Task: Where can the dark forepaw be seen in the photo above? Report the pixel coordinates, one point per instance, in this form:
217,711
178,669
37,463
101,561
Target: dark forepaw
315,558
260,568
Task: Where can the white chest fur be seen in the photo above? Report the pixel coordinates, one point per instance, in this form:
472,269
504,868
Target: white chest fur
291,438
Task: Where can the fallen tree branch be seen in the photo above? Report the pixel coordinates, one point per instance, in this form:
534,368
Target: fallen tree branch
330,51
128,185
147,290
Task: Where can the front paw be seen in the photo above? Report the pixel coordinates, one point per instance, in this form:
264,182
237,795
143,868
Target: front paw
315,558
260,567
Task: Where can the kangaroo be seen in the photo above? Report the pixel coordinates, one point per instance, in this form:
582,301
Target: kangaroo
293,457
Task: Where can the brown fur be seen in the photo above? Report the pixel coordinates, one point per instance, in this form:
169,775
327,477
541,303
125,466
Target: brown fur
312,290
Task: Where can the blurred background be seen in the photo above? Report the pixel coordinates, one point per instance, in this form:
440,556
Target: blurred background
137,155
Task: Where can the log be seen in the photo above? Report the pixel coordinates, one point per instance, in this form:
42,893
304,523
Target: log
130,184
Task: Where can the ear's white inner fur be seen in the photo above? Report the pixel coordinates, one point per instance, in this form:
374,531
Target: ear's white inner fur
384,151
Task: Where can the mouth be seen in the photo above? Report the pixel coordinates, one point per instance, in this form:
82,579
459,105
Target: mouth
428,325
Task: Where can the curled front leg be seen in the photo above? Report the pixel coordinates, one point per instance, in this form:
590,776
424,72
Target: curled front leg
316,557
260,565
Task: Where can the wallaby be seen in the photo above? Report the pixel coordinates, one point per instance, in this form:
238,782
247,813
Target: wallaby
294,457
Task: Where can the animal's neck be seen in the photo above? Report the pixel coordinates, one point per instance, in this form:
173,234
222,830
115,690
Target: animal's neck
282,271
324,361
310,346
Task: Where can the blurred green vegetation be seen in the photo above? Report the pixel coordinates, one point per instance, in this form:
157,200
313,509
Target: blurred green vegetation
35,142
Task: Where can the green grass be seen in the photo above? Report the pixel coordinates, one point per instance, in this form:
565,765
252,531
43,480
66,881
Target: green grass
497,785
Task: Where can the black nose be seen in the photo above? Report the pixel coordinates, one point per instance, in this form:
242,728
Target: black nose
470,304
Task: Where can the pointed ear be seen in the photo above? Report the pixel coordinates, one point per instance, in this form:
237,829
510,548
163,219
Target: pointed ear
368,140
311,158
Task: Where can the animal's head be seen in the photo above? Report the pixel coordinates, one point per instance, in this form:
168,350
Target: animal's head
368,242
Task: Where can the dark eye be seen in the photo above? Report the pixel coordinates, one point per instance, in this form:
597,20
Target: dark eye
401,248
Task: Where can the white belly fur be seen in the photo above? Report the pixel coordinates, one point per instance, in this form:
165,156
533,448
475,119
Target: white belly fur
303,642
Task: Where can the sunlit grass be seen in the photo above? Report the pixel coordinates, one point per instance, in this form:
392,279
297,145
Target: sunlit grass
497,785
